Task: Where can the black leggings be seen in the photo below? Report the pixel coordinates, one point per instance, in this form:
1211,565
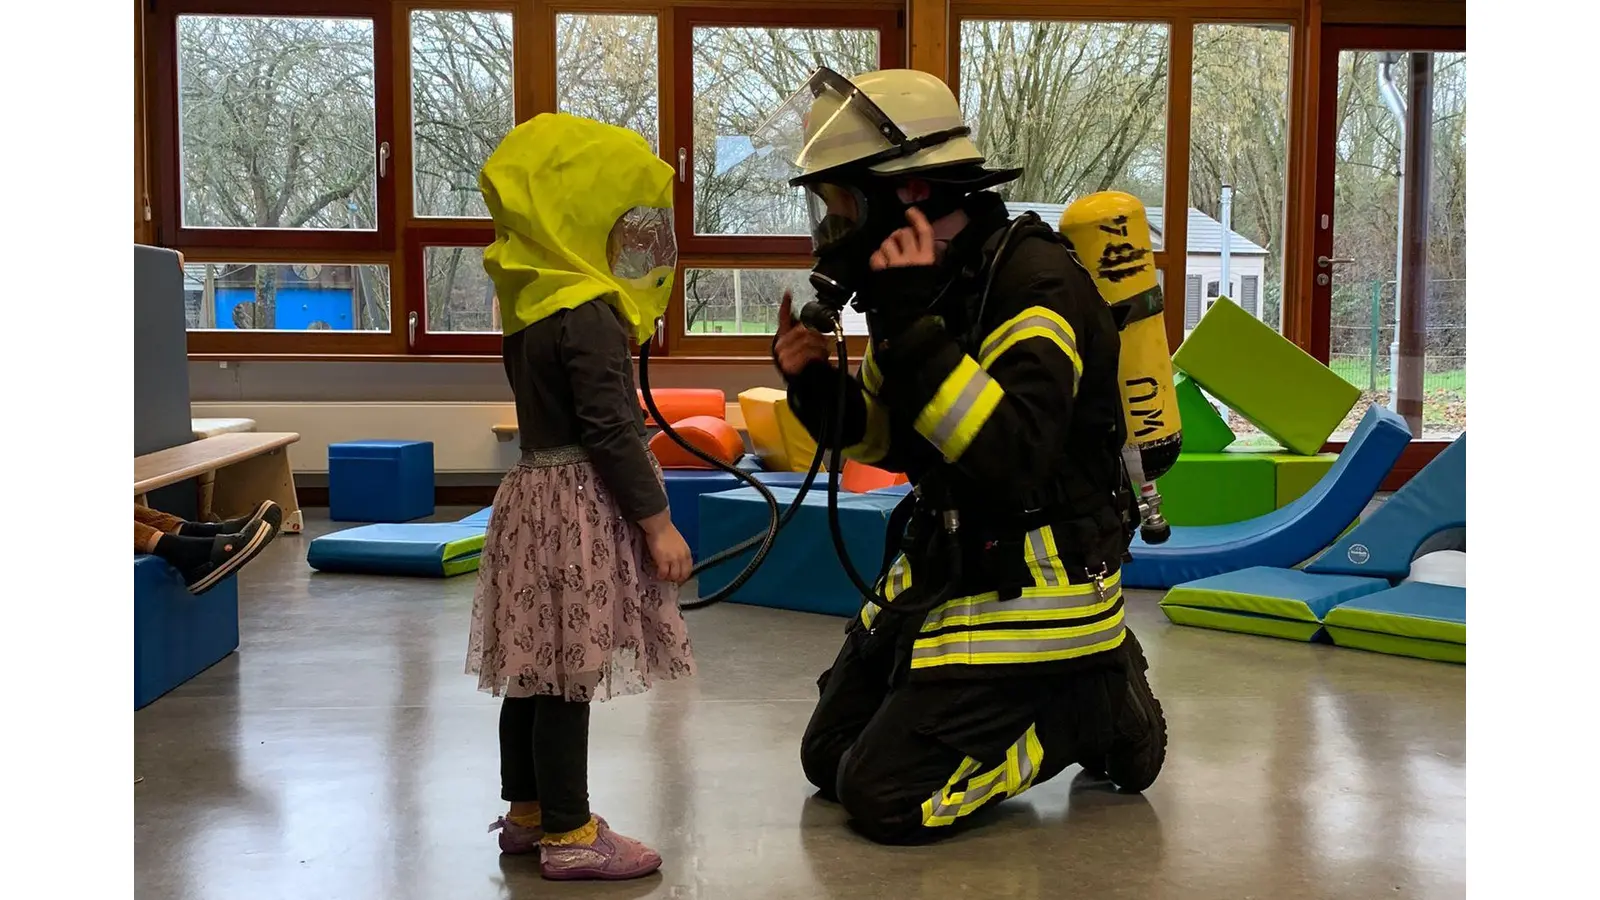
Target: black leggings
544,757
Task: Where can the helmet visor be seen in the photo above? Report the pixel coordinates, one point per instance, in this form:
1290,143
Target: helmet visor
641,244
826,123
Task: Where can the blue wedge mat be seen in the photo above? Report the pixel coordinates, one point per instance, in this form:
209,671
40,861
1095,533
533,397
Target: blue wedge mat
1432,503
435,549
1286,537
481,517
177,635
801,573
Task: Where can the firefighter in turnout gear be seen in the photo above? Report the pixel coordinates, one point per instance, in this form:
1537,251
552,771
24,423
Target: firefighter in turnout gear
995,652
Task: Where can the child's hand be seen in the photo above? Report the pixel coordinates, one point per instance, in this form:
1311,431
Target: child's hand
668,550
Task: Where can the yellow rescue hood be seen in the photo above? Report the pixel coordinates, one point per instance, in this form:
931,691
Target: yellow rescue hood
555,188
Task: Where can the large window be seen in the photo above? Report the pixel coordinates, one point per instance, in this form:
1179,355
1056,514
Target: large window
606,69
1080,106
461,105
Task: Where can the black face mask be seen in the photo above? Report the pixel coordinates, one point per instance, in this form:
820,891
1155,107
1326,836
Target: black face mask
843,272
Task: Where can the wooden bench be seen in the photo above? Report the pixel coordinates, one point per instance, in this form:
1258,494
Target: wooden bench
507,431
247,468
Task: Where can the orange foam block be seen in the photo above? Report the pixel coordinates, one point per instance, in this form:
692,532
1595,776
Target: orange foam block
709,434
682,403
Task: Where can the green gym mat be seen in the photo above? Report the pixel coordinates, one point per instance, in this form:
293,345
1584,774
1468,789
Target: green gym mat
1217,488
1243,623
1264,377
1298,474
1395,645
1204,429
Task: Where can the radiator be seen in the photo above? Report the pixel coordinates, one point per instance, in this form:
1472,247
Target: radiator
461,432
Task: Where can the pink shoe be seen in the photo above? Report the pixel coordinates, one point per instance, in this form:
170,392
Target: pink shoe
611,857
516,839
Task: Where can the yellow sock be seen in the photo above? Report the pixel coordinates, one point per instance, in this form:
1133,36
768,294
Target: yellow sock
531,820
585,835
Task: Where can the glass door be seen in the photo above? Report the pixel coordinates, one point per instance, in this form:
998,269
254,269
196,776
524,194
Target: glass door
1389,304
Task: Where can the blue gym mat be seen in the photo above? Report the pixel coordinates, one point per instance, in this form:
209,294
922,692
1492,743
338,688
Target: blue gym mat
1286,537
1428,621
428,549
1261,600
802,572
1430,506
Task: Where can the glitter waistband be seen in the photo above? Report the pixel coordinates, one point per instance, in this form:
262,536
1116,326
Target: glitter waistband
545,457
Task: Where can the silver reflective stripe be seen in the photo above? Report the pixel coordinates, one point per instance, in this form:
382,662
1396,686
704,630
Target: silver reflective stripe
1083,597
1041,557
962,651
951,420
996,339
964,802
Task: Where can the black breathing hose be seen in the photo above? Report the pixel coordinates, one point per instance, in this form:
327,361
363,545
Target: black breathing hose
776,519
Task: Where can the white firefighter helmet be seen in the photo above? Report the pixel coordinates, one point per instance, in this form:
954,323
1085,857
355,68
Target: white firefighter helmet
894,121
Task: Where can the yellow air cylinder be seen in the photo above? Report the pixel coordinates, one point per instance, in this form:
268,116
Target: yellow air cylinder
1111,234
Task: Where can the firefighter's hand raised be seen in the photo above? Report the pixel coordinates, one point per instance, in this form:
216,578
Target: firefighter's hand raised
797,346
907,247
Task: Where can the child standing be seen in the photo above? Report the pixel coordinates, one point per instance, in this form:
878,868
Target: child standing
577,588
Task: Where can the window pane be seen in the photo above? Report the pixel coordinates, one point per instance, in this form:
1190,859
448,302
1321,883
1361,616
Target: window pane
286,297
1239,139
1368,163
745,301
606,70
742,76
461,77
460,296
276,122
1080,106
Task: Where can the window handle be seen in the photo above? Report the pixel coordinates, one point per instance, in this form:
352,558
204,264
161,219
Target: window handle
411,330
683,165
383,159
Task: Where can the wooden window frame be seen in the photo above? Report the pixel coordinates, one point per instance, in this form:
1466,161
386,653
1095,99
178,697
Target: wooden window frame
745,251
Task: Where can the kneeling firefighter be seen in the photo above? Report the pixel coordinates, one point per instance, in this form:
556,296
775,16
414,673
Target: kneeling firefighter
995,653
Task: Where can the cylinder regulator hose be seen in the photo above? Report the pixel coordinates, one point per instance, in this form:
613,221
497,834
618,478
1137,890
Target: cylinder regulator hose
777,518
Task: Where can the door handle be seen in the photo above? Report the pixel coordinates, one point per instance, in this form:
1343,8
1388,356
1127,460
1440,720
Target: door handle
1325,262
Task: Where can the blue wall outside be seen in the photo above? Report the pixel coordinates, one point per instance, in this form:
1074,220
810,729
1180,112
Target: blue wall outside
297,308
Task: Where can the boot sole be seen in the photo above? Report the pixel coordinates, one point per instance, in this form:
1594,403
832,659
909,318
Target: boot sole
1147,699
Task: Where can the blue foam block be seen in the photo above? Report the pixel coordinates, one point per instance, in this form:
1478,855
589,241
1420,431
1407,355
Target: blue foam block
1286,537
380,481
1431,504
685,486
801,573
481,517
429,549
177,635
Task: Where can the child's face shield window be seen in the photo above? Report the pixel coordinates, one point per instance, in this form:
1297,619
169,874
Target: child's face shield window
642,243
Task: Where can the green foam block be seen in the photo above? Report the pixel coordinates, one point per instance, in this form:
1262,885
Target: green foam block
1264,377
1204,429
1298,474
1397,645
1242,623
1218,488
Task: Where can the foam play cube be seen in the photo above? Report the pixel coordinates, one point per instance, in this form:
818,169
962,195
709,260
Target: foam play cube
1427,621
782,443
1298,474
1218,488
801,572
1262,600
422,549
380,481
1204,429
682,403
1264,377
177,635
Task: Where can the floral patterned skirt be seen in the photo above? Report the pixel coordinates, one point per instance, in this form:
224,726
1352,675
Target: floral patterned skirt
567,603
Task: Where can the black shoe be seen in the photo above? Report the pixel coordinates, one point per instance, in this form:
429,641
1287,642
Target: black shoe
268,512
228,553
1140,746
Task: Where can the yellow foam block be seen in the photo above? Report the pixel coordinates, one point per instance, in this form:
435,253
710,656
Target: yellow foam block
782,443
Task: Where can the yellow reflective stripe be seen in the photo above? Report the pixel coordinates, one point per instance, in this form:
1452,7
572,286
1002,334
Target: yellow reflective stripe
894,584
874,443
1043,560
1070,601
1018,645
871,377
1033,322
1011,777
959,409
